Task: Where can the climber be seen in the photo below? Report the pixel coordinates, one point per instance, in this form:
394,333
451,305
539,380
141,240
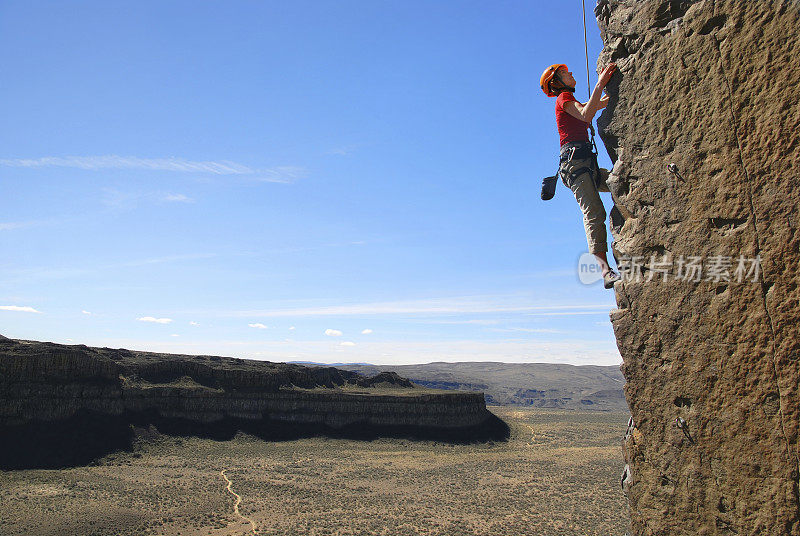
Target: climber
578,163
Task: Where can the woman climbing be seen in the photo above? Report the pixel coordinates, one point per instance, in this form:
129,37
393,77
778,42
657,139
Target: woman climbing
578,163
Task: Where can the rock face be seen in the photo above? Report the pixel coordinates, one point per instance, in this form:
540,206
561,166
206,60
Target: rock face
712,86
67,404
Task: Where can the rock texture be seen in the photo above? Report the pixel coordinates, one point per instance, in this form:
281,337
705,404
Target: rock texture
712,86
88,398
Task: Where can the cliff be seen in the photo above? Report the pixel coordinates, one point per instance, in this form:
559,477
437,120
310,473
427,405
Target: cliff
708,318
69,404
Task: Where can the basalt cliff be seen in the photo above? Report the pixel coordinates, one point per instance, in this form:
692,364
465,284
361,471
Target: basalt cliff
704,130
63,405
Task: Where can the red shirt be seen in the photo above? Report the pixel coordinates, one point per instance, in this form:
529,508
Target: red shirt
569,128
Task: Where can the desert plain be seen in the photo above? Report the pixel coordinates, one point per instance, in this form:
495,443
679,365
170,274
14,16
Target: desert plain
557,475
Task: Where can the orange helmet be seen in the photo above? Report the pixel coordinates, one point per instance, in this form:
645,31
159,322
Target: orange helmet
547,77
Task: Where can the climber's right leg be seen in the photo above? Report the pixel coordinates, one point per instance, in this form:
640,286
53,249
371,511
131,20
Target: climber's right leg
577,175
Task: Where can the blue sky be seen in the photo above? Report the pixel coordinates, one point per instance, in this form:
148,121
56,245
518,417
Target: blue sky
349,181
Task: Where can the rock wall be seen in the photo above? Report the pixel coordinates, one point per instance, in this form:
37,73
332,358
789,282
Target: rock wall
712,372
49,391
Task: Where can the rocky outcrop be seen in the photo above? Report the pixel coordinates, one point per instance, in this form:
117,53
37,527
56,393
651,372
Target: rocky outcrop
708,318
88,398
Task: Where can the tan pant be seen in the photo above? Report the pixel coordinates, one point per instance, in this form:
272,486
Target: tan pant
588,197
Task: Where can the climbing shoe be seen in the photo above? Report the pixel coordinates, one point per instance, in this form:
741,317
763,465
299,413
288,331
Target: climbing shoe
609,278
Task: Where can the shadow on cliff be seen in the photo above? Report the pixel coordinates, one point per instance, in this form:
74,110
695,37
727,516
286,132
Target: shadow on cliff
88,436
610,140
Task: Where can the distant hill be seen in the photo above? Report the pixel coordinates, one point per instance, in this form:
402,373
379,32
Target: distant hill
542,385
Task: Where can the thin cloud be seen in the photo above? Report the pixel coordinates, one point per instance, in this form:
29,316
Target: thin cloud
592,351
366,331
428,307
19,309
163,260
333,333
29,274
528,330
283,174
14,225
344,150
11,225
570,313
177,198
257,325
347,343
87,313
483,322
193,323
119,200
154,320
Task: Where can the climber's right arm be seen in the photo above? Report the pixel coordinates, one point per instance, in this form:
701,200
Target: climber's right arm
586,112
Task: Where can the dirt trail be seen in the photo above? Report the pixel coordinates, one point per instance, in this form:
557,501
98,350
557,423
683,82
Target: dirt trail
238,502
532,442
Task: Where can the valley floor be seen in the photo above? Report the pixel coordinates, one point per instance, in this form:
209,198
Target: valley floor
557,475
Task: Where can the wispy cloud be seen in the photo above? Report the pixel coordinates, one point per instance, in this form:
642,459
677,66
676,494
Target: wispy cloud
154,320
333,333
119,200
366,331
87,313
570,313
49,272
177,198
527,330
476,321
344,150
283,174
257,325
11,225
18,309
572,351
347,343
163,260
428,307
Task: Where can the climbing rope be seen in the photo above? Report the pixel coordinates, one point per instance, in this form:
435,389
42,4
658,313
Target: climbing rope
588,84
586,47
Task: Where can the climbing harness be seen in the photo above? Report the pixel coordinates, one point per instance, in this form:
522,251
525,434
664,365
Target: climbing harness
578,151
